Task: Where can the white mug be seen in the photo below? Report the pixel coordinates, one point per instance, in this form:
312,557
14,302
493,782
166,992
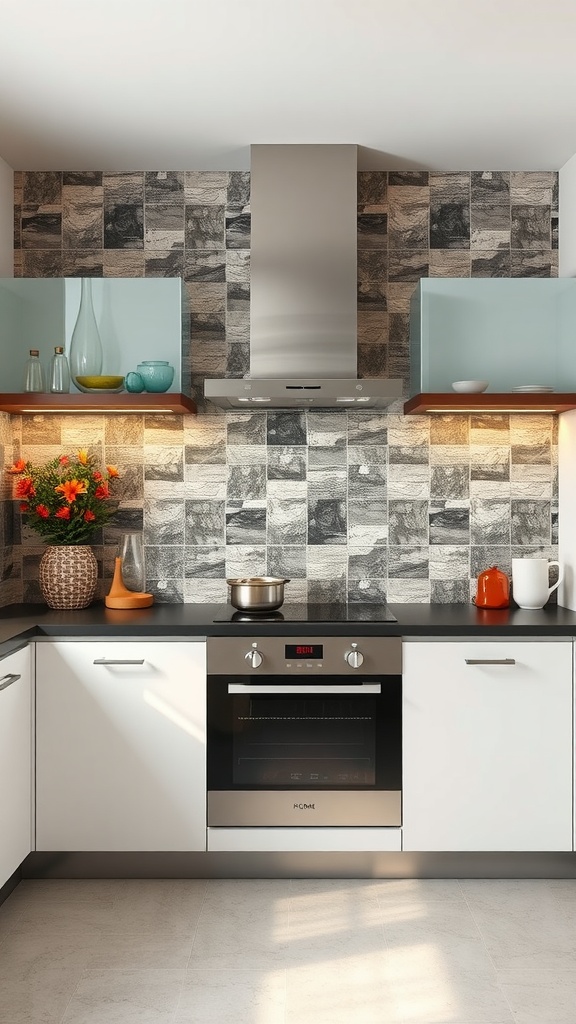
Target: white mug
530,581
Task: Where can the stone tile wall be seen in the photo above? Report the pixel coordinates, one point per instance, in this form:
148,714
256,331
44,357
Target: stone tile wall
355,506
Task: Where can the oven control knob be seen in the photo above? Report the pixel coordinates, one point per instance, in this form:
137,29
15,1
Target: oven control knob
354,658
254,657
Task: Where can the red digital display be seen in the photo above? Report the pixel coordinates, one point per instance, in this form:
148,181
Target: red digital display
304,650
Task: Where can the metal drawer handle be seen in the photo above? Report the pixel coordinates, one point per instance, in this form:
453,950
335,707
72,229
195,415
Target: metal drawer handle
358,688
490,661
118,661
8,680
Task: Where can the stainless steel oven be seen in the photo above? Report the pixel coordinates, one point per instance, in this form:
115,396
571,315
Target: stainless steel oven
304,731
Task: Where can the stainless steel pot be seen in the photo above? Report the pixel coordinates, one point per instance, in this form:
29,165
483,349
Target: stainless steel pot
257,593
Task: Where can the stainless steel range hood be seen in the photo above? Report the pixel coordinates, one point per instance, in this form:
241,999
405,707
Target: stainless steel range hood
303,286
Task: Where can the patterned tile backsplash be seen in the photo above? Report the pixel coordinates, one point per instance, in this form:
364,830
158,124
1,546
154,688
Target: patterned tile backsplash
350,506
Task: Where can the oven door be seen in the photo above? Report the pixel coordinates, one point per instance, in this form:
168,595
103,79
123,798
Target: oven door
316,752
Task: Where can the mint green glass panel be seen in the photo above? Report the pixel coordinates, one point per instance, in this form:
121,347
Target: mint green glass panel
138,318
31,316
510,332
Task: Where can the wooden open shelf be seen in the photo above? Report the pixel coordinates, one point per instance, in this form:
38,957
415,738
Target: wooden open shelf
124,402
550,402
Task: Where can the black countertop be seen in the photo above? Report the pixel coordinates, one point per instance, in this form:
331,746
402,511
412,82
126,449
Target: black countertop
21,622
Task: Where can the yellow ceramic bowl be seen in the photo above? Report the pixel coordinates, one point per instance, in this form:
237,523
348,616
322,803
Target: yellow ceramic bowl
100,382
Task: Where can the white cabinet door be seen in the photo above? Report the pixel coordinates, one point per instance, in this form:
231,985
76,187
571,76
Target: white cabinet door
487,756
121,734
15,761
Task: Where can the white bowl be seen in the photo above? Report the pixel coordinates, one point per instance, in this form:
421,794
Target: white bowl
470,386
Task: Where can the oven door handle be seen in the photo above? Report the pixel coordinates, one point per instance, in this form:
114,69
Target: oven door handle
358,688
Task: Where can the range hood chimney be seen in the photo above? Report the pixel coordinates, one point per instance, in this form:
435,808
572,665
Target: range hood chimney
303,286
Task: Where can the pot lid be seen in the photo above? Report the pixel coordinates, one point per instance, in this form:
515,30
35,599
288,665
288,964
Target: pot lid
257,581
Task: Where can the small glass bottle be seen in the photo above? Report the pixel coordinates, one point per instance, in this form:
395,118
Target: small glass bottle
33,374
59,378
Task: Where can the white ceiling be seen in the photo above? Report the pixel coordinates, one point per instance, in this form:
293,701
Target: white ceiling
183,84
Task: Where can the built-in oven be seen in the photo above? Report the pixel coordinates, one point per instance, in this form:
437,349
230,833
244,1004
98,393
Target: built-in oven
304,732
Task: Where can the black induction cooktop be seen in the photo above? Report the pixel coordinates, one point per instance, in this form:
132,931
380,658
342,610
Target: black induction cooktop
312,613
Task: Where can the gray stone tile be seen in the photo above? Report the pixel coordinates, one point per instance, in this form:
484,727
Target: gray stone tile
287,521
205,562
246,522
408,562
530,522
286,428
327,521
286,560
449,522
205,523
450,225
288,463
408,522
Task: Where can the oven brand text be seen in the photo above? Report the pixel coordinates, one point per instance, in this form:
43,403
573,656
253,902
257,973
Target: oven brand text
304,807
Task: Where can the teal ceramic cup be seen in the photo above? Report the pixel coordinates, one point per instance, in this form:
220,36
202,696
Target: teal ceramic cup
133,382
157,374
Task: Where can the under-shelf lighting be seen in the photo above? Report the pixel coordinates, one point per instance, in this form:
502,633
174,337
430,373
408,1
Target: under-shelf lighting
480,410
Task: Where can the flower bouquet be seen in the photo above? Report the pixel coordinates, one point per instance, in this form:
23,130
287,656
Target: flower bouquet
67,499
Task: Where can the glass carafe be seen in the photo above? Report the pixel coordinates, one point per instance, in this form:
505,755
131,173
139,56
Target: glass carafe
131,551
86,355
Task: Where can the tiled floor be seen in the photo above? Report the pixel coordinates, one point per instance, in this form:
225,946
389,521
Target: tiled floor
289,952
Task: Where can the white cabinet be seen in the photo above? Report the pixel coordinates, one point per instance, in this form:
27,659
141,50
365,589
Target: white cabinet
121,730
487,756
16,770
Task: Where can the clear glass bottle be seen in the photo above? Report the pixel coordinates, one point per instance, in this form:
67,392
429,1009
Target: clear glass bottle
59,377
86,347
33,373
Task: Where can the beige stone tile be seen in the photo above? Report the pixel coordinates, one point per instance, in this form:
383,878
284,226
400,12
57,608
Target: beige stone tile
36,996
525,923
348,989
434,986
232,997
125,997
540,996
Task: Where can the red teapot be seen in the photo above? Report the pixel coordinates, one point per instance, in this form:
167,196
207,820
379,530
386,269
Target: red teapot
493,589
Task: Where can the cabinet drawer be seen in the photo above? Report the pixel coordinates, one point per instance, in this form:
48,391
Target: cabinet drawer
329,840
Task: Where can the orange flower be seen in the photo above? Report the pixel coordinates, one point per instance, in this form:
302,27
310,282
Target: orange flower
83,456
112,471
17,467
97,475
42,511
63,460
24,506
89,516
71,489
102,491
63,513
25,488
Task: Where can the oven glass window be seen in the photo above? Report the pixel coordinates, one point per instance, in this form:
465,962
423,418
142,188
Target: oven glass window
303,740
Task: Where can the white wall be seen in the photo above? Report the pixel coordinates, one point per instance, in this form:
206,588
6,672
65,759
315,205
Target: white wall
567,219
567,508
567,421
6,220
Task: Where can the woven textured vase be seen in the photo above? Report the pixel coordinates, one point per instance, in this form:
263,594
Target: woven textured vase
68,576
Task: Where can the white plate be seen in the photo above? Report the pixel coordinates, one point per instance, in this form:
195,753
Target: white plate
533,387
99,391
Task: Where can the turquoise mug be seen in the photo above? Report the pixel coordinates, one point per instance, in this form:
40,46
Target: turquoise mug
133,382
